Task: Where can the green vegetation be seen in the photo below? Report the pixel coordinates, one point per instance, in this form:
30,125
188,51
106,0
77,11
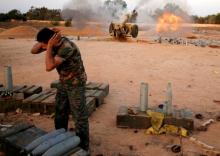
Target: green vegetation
13,14
44,14
33,14
210,19
114,6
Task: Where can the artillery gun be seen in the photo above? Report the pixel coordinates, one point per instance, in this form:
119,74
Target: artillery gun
125,29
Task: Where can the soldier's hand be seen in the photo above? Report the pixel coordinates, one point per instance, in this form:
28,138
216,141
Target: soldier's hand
38,48
55,41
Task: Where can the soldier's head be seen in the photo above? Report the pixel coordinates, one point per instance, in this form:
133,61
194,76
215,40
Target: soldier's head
44,35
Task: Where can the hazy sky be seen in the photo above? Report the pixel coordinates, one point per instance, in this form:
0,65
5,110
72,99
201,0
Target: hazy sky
198,7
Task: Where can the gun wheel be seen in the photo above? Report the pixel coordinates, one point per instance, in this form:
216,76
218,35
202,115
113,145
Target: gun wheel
134,31
111,28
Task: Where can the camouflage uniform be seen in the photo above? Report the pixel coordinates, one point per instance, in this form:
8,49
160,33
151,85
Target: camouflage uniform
70,95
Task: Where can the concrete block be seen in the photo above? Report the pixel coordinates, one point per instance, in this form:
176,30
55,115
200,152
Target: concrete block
142,121
126,120
122,117
181,122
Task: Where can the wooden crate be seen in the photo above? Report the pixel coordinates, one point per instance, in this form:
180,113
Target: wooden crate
34,102
98,86
27,90
99,96
90,104
89,86
11,103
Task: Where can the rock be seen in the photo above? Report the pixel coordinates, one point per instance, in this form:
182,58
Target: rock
136,131
36,114
131,147
199,116
18,111
218,118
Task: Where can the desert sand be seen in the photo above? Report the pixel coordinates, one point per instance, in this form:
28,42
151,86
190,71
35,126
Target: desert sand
193,71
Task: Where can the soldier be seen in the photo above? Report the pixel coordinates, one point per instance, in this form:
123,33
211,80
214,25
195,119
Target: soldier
65,56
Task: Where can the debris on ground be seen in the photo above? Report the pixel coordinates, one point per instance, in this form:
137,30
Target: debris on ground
216,101
218,118
18,111
174,148
189,41
204,126
158,127
199,116
207,148
52,115
36,114
5,126
132,111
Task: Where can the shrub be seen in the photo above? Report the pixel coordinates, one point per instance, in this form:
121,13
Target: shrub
68,23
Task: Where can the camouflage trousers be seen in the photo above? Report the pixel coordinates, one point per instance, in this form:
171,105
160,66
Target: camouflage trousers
73,101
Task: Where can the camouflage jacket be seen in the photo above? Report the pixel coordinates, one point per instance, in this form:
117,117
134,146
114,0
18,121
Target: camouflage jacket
71,70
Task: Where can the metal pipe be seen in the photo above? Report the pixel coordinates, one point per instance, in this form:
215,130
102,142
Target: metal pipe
8,78
169,99
144,97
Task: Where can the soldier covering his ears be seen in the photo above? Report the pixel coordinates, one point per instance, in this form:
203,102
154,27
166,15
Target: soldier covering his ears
64,56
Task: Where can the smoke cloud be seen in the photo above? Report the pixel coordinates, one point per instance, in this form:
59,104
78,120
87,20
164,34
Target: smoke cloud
148,9
83,11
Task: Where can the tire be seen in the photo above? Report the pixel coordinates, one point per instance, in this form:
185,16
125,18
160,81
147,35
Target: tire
111,28
134,31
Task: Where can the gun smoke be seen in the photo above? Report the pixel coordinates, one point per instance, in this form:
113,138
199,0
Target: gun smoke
83,11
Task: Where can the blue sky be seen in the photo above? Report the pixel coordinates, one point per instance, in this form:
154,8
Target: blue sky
198,7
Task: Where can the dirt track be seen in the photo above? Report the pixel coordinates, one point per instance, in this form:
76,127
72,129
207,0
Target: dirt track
194,73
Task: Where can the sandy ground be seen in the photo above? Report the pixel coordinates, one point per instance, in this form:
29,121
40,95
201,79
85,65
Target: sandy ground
194,73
